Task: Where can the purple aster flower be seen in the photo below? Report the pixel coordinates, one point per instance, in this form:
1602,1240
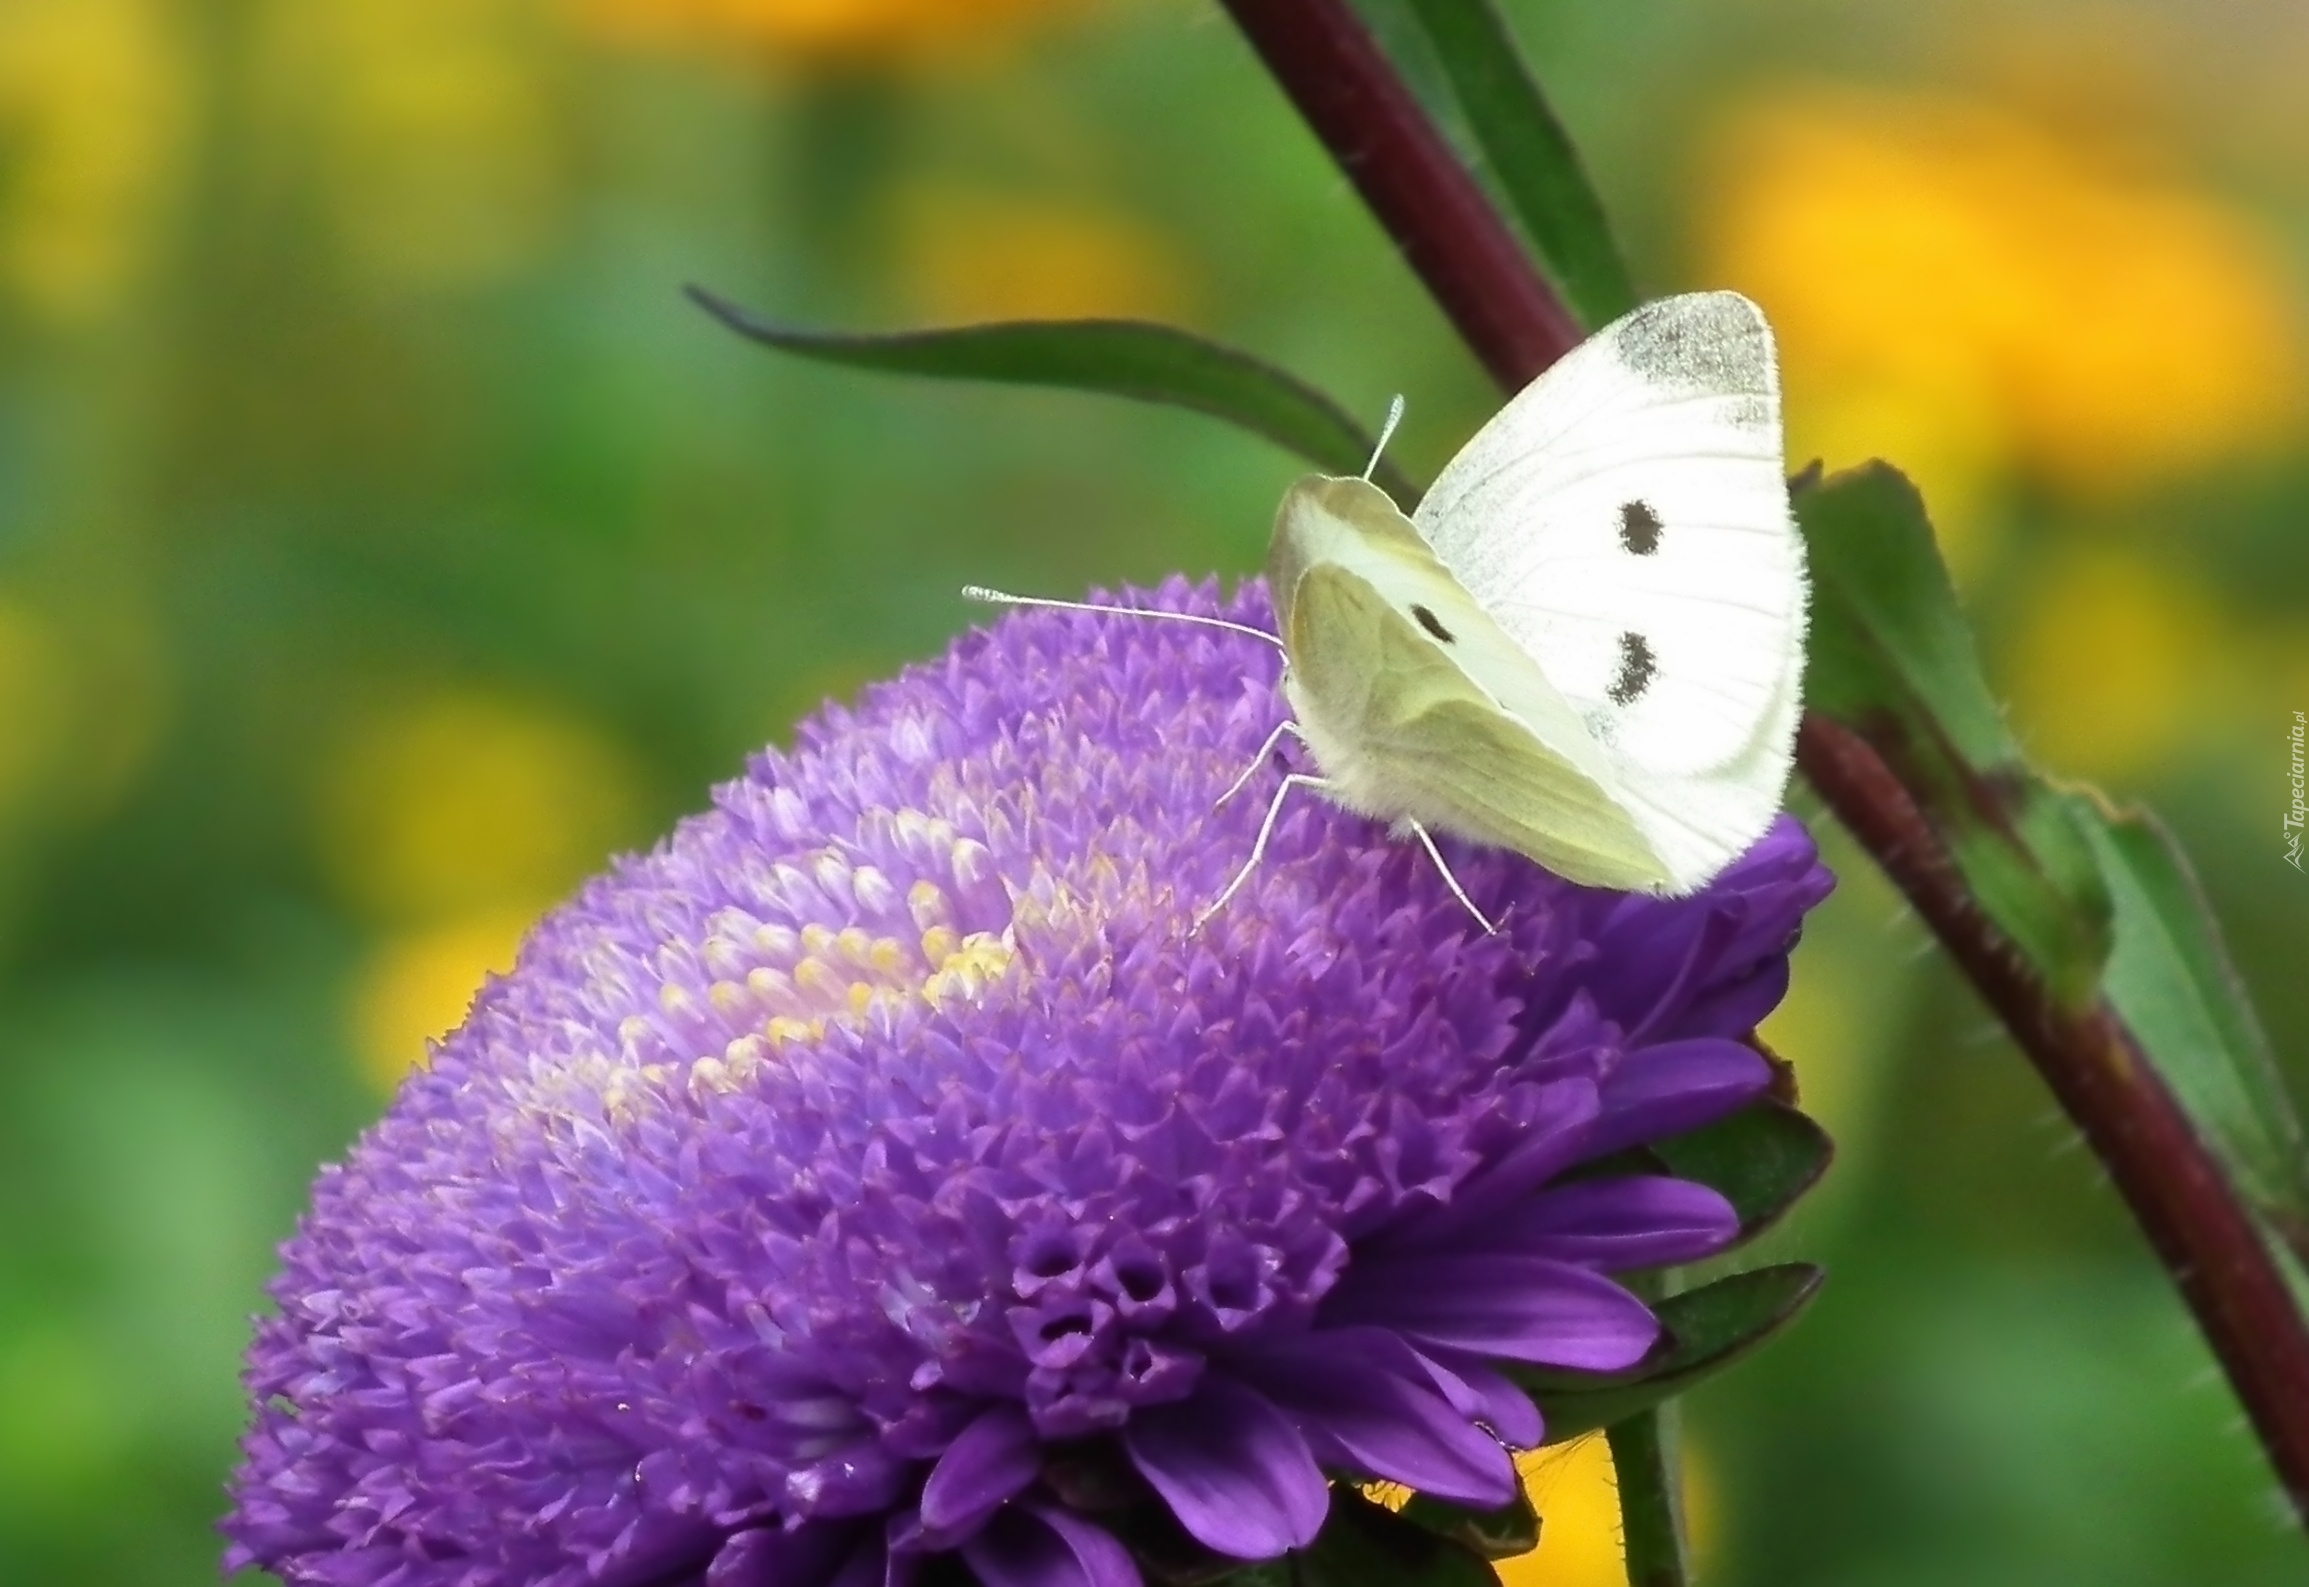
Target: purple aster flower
884,1170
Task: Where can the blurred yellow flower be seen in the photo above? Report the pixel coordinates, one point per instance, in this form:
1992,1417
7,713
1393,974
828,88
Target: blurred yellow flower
435,127
828,31
1975,297
1573,1488
967,257
92,111
418,985
1822,1027
2118,660
465,802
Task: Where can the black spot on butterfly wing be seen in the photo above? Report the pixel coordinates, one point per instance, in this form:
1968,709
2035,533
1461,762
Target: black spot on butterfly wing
1638,666
1433,624
1639,529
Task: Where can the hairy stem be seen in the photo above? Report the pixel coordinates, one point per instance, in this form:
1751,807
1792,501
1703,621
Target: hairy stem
1644,1465
2185,1204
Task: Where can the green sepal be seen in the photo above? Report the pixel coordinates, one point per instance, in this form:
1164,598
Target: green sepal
1365,1544
1702,1331
1120,358
1761,1159
1530,155
1502,1533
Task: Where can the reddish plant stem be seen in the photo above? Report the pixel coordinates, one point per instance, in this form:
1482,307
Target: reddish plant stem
1472,264
1503,307
2184,1203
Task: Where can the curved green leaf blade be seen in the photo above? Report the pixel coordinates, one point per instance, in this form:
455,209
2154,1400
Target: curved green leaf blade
1704,1331
2103,905
1531,155
2170,980
1891,657
1120,358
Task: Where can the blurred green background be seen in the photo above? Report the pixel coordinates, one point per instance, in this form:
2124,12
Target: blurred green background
383,543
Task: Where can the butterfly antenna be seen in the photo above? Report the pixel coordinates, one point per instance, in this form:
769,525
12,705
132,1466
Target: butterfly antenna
980,593
1386,432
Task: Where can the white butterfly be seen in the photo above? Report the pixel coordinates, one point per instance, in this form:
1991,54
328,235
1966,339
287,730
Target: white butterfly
1587,645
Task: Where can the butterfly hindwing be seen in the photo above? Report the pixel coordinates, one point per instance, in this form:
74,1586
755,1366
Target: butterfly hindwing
1416,704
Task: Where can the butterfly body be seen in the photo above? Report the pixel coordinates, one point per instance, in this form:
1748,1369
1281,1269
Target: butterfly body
1587,645
1393,713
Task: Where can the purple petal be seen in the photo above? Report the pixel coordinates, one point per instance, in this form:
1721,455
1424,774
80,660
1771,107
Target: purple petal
1740,1003
995,1457
1367,1394
1233,1469
1685,944
1555,1138
1041,1547
819,1552
1482,1393
1617,1224
1520,1308
1676,1086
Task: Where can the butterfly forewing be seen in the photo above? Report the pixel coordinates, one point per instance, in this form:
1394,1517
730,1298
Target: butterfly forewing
1625,519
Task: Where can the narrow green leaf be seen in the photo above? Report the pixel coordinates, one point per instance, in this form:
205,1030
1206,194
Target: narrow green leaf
1703,1331
1364,1544
1511,1529
1762,1159
1530,154
1890,656
1121,358
2170,980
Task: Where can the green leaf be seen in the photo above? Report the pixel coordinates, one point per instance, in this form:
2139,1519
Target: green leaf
1530,154
2170,980
1891,658
1762,1159
1704,1331
1511,1529
1121,358
2101,904
1364,1544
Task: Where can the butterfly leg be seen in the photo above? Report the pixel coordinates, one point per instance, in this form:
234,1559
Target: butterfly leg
1297,779
1289,729
1450,880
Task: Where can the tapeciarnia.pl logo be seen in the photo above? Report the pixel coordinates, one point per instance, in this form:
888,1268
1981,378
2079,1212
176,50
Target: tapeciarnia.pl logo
2293,817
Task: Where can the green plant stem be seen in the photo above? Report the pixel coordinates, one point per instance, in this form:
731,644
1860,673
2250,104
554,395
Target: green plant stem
1644,1459
1647,1469
2187,1208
